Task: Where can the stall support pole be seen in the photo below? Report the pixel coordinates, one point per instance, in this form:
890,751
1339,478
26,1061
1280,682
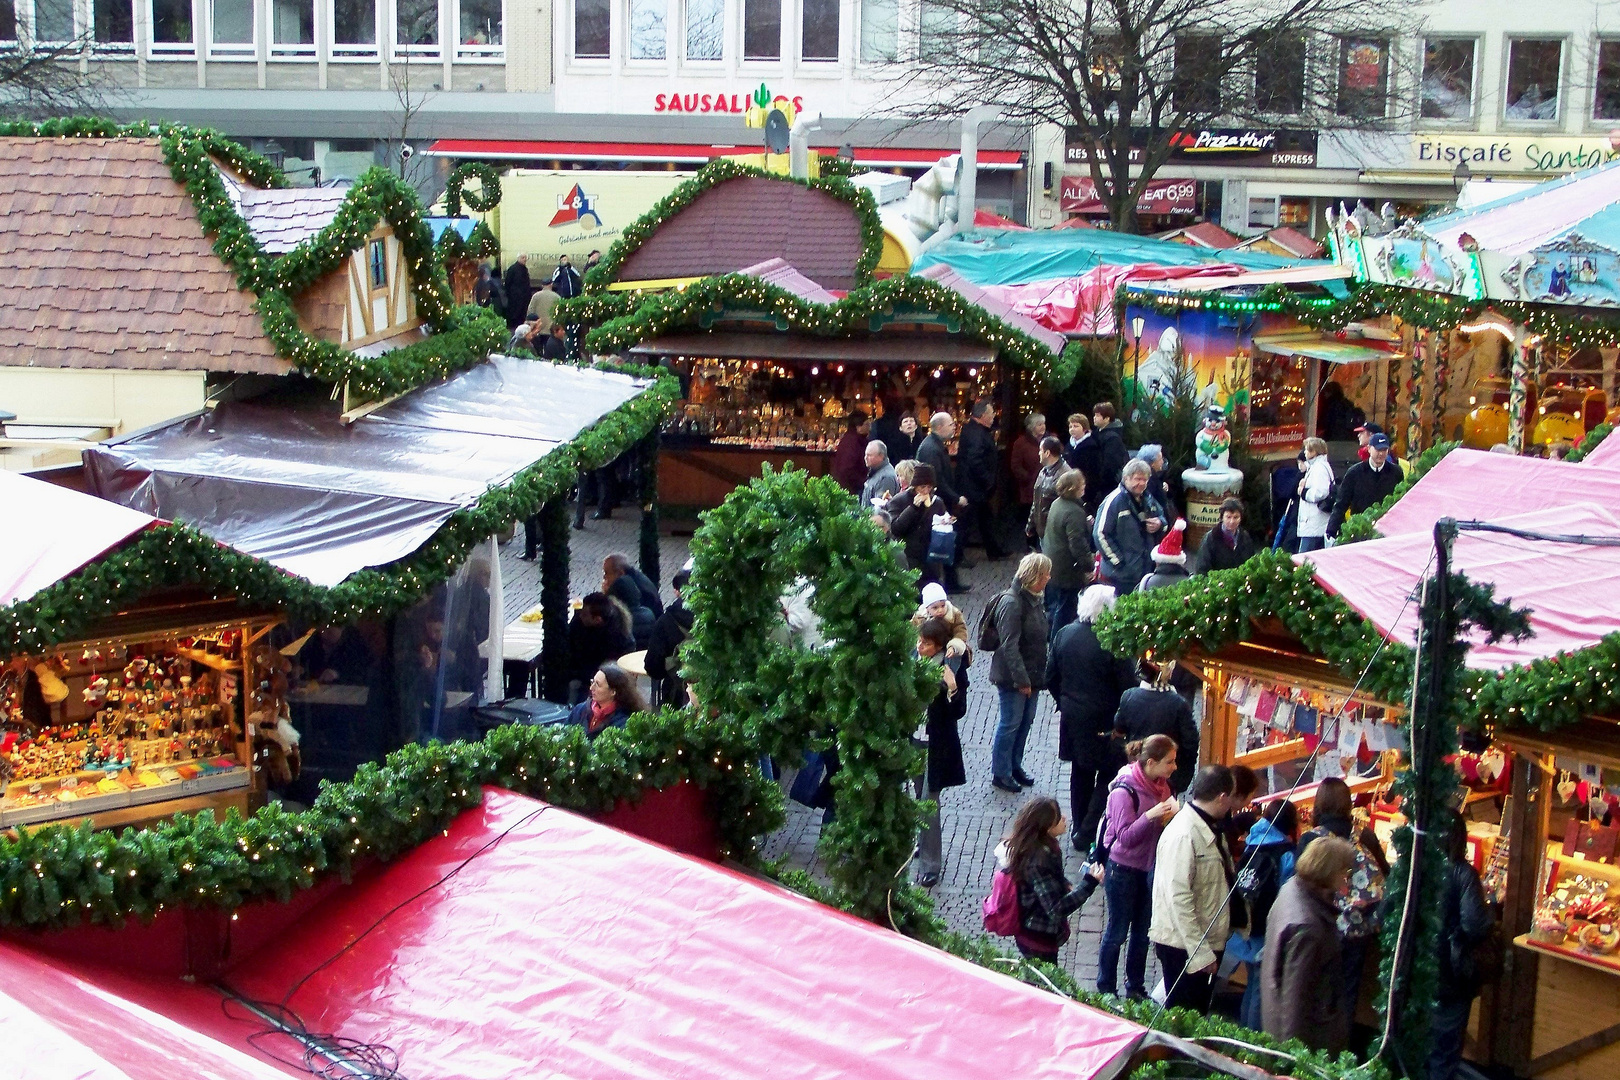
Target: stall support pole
1313,393
1516,392
1509,1020
554,536
648,451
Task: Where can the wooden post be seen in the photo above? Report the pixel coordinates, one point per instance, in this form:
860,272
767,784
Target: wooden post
1508,1015
1313,393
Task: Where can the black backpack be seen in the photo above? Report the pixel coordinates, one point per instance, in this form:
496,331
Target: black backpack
1258,882
1099,850
989,636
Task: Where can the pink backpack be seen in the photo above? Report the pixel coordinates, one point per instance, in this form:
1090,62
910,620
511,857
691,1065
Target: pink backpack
1001,906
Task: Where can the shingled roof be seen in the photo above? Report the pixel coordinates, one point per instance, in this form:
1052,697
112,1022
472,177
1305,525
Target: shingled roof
749,220
106,265
283,218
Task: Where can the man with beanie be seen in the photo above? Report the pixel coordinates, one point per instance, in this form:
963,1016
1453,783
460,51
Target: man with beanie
1169,560
1366,483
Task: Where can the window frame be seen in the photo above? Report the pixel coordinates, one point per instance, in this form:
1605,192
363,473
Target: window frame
1472,119
860,58
589,59
1597,70
232,52
819,62
412,53
630,59
1193,84
168,50
377,259
705,62
758,62
1301,91
1508,40
476,54
1342,44
283,52
354,52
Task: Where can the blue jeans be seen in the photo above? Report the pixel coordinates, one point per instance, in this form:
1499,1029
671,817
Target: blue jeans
1130,912
1311,543
1017,714
1447,1024
1249,1014
1062,607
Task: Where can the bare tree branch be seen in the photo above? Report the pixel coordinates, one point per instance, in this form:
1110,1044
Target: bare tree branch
1125,78
40,80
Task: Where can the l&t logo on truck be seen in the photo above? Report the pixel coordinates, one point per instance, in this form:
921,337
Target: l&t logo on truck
575,207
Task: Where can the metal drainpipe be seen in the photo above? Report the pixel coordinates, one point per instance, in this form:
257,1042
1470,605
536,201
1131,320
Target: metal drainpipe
967,190
799,145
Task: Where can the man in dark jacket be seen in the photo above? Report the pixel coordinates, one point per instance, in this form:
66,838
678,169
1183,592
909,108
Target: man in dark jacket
668,632
518,291
911,521
1018,668
849,459
1068,544
944,768
596,635
618,565
1160,710
556,345
978,474
1465,924
1227,545
935,452
1127,527
565,279
1169,560
1366,483
1110,435
1084,452
1086,681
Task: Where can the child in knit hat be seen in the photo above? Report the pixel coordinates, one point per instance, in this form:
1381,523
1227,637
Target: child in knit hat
936,605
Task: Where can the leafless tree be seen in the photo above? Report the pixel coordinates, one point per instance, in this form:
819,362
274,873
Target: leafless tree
44,79
412,92
1129,78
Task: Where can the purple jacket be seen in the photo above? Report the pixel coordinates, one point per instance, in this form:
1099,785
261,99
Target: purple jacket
1131,836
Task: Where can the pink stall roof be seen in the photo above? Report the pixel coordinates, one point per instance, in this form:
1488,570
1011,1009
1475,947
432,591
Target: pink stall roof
995,305
1606,455
67,530
1567,586
785,275
526,941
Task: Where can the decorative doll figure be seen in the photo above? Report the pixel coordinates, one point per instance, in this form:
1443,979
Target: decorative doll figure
1214,442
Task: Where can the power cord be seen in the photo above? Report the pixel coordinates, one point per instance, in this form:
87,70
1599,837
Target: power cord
327,1055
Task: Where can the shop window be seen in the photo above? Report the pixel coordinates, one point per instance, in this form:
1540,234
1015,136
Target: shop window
354,28
379,264
1363,77
1279,74
480,29
171,26
233,26
1606,100
292,27
1535,69
880,30
53,21
937,29
705,29
416,27
1196,79
762,29
113,23
593,29
647,33
8,21
818,38
1448,79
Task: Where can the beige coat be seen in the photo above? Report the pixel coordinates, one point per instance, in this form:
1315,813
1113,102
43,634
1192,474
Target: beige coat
1189,890
958,626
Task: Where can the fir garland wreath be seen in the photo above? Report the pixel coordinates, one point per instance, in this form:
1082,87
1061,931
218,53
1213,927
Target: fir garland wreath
481,201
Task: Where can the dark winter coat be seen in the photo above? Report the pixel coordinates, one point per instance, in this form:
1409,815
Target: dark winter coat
555,348
1112,455
624,590
1301,977
1122,537
886,429
1045,900
1362,487
1025,464
945,767
1068,544
589,647
1164,575
1086,680
933,452
1020,660
1465,922
1086,455
1143,712
913,525
1215,554
978,463
668,632
566,282
849,462
518,291
1043,492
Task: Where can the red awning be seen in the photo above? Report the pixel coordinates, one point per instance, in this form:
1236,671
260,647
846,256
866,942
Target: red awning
881,157
527,940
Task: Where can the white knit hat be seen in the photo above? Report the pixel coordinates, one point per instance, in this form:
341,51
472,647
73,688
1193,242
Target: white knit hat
933,593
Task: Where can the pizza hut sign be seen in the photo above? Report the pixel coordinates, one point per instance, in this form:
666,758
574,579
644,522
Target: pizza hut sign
1078,195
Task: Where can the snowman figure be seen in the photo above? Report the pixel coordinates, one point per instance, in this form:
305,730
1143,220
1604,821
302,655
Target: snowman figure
1214,443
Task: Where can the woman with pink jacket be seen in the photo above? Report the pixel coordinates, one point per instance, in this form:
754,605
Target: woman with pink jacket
1139,804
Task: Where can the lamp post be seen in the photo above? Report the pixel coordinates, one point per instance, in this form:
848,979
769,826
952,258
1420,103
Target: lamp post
1461,175
1137,325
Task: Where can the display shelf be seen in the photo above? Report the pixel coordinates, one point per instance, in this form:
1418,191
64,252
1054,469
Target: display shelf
1609,965
1606,871
209,660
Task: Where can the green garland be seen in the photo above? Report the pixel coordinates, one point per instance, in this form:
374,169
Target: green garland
719,172
863,692
59,876
174,555
1590,443
700,303
482,201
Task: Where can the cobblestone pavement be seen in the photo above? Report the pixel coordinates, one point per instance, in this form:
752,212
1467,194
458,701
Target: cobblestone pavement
973,817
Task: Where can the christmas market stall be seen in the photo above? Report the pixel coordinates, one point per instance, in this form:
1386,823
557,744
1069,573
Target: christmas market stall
759,292
150,709
383,524
1505,309
1312,664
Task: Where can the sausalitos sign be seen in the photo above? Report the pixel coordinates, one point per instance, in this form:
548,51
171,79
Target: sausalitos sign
683,101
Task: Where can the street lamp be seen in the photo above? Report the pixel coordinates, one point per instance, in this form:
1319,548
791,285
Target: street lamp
1137,325
1461,175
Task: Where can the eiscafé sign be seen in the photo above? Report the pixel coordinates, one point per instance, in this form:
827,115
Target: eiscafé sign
1078,195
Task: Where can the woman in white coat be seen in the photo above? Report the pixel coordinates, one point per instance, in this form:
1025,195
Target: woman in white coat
1315,497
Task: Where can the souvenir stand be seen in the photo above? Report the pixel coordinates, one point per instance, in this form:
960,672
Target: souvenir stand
151,710
1496,305
758,291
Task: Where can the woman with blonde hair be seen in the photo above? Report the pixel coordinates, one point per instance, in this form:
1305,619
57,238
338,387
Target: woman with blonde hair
1018,668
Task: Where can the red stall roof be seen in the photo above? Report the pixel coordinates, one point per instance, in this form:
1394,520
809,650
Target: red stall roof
68,529
527,940
877,157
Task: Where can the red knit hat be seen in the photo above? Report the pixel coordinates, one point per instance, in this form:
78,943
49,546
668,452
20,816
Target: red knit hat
1169,549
